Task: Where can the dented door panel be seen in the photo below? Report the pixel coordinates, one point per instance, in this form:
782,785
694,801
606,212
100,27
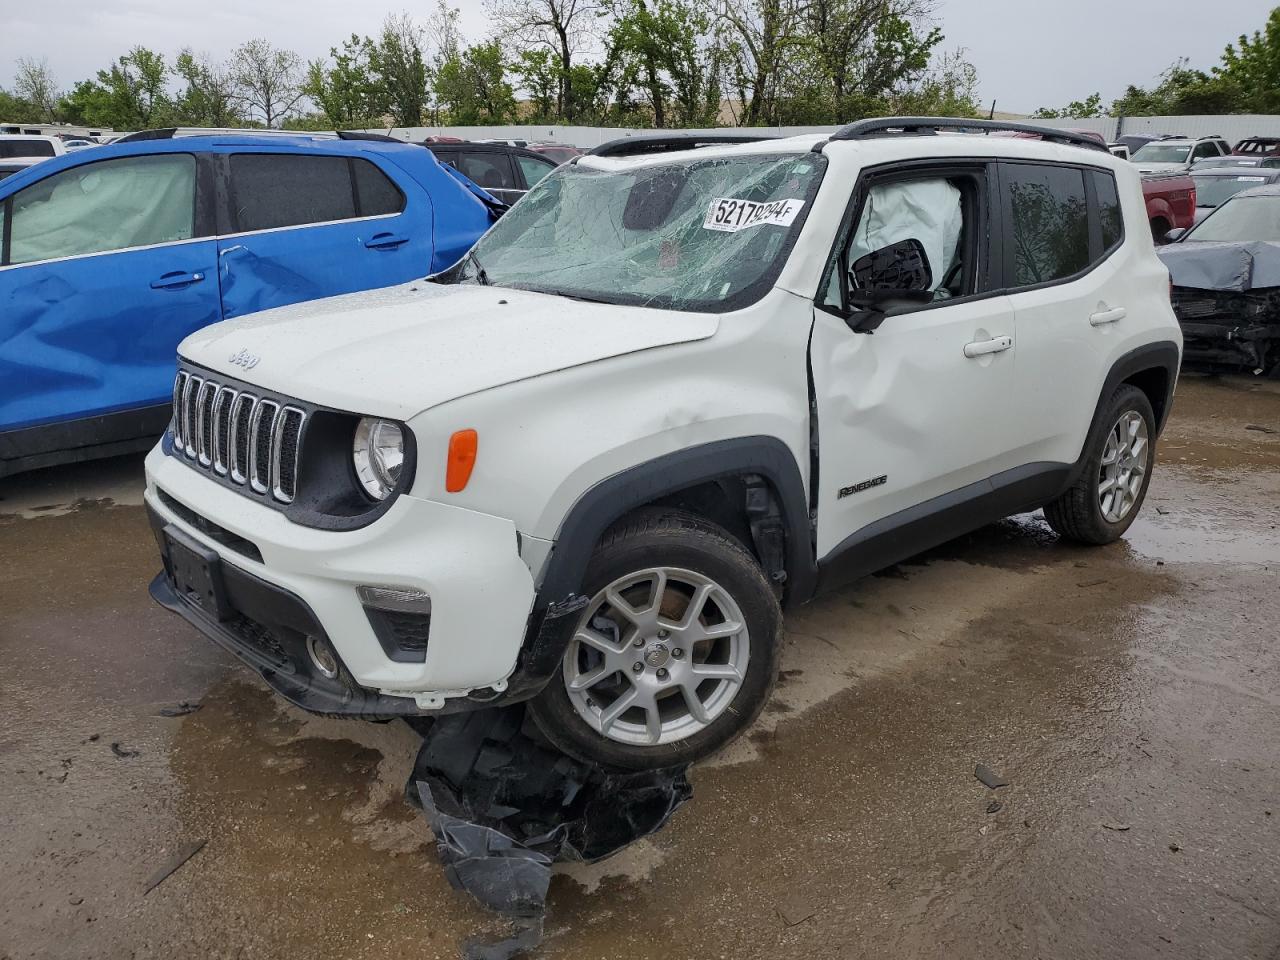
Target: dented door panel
97,334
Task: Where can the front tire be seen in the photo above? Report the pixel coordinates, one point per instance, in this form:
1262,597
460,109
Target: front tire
674,655
1105,500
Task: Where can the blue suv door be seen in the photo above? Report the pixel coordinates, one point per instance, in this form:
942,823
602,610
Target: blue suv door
304,226
105,266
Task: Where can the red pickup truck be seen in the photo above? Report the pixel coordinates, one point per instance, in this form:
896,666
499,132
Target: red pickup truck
1171,202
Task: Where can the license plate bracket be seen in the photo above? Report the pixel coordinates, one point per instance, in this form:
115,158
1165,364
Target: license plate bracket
197,573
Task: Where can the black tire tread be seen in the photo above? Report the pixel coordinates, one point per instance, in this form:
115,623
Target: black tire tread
1075,515
676,525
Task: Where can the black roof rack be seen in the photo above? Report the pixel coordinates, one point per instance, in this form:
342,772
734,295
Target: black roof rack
649,143
929,126
165,133
361,135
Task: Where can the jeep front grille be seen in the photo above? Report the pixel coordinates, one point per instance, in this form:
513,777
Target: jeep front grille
239,435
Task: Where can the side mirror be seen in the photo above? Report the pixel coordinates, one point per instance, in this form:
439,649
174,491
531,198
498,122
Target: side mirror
900,271
1174,235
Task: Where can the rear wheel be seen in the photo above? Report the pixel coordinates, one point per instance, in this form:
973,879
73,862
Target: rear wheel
674,655
1105,500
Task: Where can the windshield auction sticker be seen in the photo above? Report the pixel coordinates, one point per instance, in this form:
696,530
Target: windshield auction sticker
729,215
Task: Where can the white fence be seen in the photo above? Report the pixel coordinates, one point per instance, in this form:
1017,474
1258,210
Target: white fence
1232,128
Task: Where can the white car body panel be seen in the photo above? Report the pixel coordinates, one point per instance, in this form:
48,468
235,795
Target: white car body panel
565,394
398,351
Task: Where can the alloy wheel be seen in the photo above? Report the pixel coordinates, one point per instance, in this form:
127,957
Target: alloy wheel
1124,465
657,657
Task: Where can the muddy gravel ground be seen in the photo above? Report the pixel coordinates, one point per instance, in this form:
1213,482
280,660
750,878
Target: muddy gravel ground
1130,695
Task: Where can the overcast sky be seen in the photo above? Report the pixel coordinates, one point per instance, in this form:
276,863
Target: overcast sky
1028,54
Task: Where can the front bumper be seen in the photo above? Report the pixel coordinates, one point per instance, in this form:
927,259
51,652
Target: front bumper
467,562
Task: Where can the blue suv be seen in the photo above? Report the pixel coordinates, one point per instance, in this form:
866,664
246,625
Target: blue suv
109,257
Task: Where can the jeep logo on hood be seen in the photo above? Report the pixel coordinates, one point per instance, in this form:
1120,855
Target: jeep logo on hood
243,358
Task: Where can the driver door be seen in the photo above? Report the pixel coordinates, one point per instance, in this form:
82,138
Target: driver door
916,414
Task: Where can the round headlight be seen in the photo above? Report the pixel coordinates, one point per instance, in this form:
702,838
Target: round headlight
379,455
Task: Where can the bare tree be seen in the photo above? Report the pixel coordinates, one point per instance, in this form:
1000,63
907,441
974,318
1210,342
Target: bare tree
268,82
34,83
558,25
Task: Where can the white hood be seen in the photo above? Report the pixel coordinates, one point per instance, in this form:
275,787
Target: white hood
398,351
1160,167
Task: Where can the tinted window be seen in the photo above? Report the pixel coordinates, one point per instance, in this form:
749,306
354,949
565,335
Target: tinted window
1049,226
26,148
376,193
284,190
1206,150
109,205
1104,185
489,170
534,169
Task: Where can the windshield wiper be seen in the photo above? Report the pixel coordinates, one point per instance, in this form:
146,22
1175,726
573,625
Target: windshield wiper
481,274
572,296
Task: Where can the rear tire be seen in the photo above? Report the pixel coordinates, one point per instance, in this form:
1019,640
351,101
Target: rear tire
647,680
1120,453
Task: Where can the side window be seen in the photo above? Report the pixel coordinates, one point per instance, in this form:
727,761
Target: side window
103,206
532,169
376,195
288,189
1207,149
1109,213
937,213
489,170
1048,222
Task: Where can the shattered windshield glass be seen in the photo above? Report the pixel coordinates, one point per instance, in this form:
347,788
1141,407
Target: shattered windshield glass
709,234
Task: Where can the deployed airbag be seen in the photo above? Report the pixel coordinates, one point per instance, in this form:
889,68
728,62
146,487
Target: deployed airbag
926,210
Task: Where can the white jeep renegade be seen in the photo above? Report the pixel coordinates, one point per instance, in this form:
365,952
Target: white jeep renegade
672,392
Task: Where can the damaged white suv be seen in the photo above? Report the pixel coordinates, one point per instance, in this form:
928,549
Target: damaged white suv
676,389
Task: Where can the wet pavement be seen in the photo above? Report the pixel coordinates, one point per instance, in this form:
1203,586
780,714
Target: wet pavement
1130,695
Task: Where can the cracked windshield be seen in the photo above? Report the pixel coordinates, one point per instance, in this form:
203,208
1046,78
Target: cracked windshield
699,235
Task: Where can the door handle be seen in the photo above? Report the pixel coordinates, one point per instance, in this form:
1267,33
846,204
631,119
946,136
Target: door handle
173,281
1103,317
982,348
385,241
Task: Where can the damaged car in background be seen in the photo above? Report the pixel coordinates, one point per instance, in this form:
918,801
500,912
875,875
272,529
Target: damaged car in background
110,256
1226,285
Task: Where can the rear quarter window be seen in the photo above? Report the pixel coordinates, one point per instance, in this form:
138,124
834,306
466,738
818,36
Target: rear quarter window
1048,222
1110,215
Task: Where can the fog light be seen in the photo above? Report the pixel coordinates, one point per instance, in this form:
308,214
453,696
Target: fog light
404,599
322,657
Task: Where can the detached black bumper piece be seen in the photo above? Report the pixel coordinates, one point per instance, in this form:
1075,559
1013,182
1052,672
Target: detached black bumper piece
264,625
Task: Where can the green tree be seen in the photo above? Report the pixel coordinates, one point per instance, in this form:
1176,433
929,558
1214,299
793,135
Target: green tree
1252,66
539,77
948,89
399,64
14,109
656,44
35,85
132,94
207,98
348,93
1090,106
473,88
